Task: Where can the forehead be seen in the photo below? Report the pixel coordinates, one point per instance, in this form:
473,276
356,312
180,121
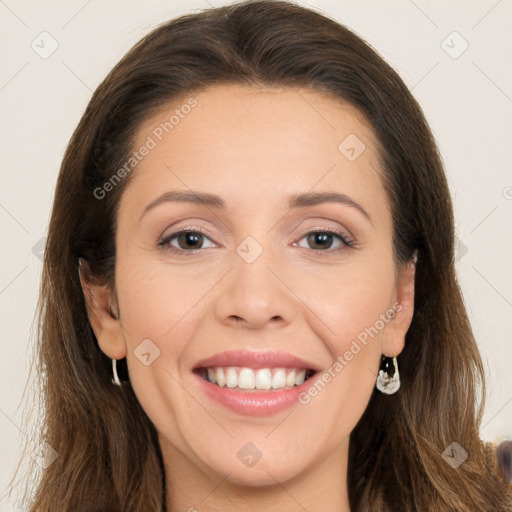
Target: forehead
235,140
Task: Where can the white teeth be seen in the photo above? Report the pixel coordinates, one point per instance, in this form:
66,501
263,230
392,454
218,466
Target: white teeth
219,377
249,378
263,379
231,378
246,379
301,376
211,375
279,378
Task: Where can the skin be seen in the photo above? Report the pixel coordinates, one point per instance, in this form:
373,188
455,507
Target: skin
254,147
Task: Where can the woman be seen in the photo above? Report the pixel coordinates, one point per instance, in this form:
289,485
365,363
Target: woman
249,298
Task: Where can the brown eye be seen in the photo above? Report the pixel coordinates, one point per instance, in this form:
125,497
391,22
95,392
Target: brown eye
323,240
320,240
187,240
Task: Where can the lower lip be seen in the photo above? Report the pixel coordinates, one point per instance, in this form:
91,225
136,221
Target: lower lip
253,403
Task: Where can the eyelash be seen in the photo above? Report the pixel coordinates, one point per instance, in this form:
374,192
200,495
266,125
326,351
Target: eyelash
345,240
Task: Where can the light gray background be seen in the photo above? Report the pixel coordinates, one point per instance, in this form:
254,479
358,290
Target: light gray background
467,101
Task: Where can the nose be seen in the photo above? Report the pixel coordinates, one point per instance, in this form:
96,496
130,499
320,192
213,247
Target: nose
256,294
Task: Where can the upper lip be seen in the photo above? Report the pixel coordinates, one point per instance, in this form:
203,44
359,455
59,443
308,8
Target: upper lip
253,359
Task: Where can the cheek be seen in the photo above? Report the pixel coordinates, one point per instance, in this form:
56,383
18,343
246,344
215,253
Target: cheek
155,300
159,310
156,311
354,308
352,329
351,301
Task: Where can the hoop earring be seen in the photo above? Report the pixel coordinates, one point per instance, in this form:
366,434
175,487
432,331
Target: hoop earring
388,380
115,380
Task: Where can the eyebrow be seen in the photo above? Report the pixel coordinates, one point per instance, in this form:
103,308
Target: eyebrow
295,201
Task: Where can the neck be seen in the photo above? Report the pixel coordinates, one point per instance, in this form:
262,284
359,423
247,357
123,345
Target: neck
322,486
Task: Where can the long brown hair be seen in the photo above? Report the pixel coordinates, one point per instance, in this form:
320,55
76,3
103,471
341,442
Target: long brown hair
108,454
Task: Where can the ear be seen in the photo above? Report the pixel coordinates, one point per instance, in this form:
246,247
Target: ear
403,305
103,314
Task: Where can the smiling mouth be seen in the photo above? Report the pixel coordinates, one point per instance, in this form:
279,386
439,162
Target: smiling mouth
255,379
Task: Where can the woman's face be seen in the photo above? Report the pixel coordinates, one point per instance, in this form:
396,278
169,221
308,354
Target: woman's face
269,272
